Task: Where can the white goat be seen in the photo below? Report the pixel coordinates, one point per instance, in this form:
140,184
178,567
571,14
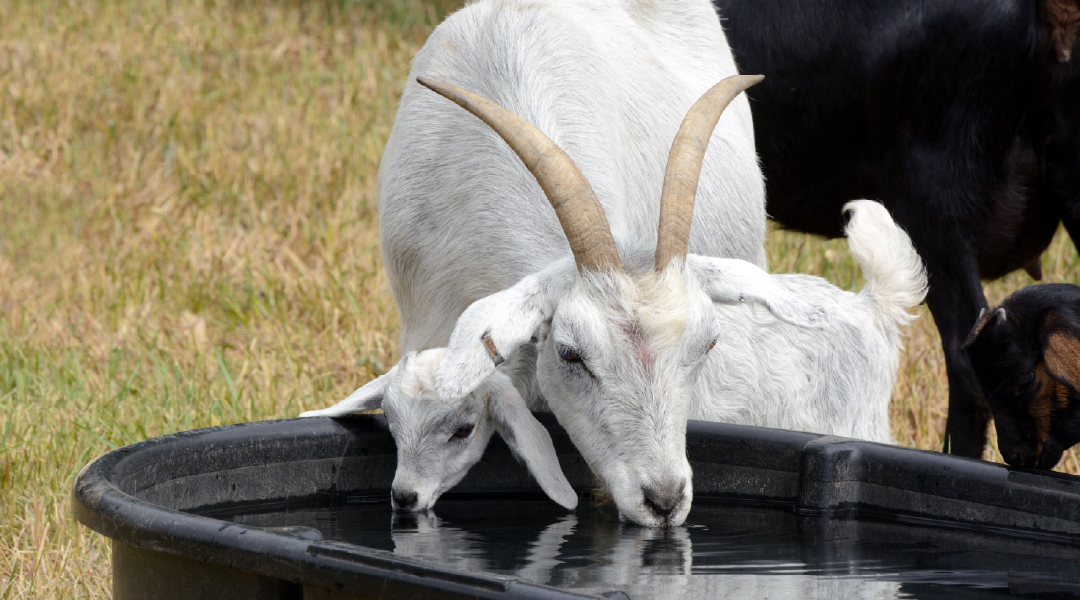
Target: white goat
438,441
763,372
461,219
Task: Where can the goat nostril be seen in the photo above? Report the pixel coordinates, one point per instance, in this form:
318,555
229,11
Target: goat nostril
663,501
404,500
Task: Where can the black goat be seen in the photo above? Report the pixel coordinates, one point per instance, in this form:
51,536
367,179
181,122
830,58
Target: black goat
1026,355
961,116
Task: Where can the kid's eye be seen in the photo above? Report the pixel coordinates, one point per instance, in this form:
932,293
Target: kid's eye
1026,379
462,432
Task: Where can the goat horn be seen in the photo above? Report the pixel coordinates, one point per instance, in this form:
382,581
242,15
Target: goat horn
684,166
579,211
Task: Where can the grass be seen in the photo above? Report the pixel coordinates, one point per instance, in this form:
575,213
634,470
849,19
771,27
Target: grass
188,237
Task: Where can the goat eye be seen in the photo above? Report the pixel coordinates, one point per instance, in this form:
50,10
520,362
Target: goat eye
1026,379
462,432
568,354
711,346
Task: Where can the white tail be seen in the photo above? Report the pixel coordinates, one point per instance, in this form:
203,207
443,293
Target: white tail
895,276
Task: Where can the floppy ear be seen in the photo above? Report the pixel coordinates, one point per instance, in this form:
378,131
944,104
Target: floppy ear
731,281
1061,355
368,397
528,440
493,328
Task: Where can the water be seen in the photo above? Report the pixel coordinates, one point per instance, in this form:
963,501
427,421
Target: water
724,550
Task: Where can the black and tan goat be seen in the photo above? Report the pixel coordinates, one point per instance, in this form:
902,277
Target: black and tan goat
1026,355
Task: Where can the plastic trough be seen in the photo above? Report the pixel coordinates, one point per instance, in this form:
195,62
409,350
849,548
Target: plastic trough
151,499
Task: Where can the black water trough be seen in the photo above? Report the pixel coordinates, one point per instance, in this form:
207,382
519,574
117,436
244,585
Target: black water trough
299,509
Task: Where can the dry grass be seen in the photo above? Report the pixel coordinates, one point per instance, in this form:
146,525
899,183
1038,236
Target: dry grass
187,234
188,238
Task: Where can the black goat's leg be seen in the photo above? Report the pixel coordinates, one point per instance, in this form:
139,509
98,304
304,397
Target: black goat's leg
947,246
956,302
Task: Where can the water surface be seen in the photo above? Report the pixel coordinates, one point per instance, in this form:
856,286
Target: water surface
724,551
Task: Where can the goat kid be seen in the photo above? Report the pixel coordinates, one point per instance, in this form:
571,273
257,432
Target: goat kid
438,440
1026,355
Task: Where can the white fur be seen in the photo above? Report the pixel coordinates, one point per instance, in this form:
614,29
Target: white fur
837,380
430,459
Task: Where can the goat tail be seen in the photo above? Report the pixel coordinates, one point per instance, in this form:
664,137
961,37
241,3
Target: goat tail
895,276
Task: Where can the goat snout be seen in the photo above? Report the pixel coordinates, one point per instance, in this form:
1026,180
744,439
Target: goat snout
1019,459
404,500
663,500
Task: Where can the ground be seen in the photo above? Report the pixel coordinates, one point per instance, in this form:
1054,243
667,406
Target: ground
188,237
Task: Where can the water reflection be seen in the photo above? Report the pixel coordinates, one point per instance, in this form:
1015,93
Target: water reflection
725,552
606,555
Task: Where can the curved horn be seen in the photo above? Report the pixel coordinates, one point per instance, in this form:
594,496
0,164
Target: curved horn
579,211
684,166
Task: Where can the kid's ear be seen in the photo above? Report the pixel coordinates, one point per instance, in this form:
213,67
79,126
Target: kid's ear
732,281
366,398
528,440
1061,353
491,330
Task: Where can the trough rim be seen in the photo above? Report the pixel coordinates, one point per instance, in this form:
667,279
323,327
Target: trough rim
830,476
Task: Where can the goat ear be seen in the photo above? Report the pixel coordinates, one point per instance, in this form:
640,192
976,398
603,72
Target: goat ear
491,330
369,397
1061,353
731,281
528,439
1062,19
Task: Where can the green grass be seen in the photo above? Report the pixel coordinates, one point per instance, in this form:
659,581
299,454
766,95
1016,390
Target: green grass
188,237
187,234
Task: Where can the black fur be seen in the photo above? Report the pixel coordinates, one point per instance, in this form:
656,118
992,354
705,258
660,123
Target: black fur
1008,355
955,114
